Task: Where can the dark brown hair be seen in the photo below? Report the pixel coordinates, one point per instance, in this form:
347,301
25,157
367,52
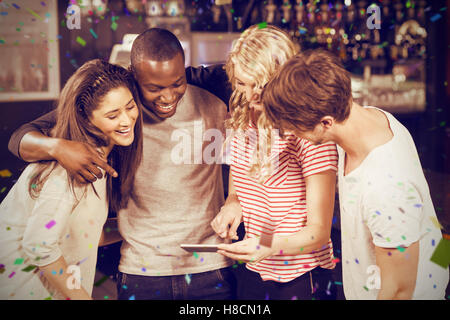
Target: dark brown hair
78,99
310,85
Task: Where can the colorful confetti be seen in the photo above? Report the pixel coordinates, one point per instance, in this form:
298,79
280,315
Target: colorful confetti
81,41
34,13
5,173
436,222
50,224
114,26
101,281
441,255
29,268
262,25
435,17
93,33
187,277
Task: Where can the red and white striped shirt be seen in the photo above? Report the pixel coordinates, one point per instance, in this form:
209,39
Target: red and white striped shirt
278,206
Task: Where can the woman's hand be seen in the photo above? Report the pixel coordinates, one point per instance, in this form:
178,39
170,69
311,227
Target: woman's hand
227,221
248,250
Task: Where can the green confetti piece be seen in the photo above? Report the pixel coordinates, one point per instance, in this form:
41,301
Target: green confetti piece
441,255
100,282
48,298
29,268
81,41
93,33
195,255
19,261
401,249
262,25
114,26
365,288
3,190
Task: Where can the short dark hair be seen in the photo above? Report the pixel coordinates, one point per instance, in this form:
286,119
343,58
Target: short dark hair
155,44
310,85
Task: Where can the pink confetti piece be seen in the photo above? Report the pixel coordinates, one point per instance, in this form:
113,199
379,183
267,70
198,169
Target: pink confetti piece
50,224
11,275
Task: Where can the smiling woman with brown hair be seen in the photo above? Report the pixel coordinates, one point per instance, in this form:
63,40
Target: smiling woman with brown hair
51,222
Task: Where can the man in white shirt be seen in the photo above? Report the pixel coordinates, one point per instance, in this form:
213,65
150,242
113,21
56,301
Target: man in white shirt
388,234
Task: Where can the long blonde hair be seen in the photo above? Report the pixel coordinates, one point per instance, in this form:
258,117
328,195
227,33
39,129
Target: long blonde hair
259,52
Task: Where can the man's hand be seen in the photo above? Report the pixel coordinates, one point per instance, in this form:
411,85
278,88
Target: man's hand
81,161
228,219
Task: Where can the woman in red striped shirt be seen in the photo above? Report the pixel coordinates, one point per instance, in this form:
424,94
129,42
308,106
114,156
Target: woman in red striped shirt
282,188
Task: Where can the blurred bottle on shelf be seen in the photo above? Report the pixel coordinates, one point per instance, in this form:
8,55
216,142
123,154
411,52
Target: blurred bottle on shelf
286,15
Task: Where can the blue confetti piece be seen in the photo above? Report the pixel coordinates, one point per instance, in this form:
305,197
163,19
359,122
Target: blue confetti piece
16,6
334,220
132,297
436,17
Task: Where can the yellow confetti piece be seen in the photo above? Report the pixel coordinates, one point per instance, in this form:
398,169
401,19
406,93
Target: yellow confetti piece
436,222
5,173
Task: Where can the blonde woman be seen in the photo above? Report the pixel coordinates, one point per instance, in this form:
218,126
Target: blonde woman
281,188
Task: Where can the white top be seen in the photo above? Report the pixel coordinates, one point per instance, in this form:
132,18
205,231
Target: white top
180,189
386,202
36,232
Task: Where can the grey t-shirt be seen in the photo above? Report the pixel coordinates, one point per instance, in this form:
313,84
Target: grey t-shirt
180,193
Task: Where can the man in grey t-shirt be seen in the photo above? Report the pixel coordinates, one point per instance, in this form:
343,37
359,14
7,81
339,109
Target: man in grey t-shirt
179,193
178,190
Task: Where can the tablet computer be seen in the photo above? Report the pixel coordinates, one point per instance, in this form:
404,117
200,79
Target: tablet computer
200,247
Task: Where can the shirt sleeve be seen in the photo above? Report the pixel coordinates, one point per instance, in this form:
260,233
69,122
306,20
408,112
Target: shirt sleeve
213,79
393,214
314,159
48,220
42,124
